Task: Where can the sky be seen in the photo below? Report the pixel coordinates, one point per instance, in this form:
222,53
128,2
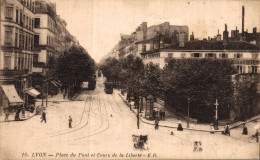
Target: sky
97,24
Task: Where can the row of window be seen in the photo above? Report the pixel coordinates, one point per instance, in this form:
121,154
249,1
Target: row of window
50,41
23,40
214,55
251,69
199,55
21,18
28,3
21,61
51,24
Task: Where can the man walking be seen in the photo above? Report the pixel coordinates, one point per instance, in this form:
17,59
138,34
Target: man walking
245,132
70,121
6,116
156,124
43,116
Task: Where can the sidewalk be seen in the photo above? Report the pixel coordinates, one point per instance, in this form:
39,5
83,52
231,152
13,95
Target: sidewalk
171,120
56,98
11,116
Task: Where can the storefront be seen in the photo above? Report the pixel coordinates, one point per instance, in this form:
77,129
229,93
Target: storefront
9,98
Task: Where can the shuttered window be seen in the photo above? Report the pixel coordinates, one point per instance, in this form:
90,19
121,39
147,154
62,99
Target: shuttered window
8,12
8,37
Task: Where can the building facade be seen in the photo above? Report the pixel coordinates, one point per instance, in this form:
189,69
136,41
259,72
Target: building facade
244,56
163,33
31,34
17,51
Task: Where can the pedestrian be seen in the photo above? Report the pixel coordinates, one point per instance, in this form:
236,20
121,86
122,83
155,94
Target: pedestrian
23,112
179,126
6,116
227,130
212,128
245,132
156,124
17,118
70,121
163,115
43,116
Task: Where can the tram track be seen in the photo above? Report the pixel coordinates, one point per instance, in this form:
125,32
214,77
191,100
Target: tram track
116,103
74,130
102,122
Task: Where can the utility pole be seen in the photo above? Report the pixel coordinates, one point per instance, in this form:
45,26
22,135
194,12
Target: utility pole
138,106
24,98
216,104
47,81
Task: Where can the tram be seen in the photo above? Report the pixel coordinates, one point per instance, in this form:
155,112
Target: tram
108,87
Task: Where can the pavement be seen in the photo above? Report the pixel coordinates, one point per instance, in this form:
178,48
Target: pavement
28,115
171,120
11,117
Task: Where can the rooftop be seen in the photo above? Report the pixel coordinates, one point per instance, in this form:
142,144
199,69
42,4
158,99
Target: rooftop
211,45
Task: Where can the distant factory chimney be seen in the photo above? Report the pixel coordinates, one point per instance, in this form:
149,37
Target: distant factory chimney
218,38
192,37
225,36
243,15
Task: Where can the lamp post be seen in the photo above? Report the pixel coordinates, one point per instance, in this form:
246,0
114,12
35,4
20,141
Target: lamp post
47,92
188,120
24,98
216,116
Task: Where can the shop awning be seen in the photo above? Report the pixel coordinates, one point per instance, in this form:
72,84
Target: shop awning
12,95
33,92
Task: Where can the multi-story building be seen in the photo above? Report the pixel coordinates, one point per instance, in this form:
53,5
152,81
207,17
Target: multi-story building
17,50
60,31
44,38
244,56
163,33
31,34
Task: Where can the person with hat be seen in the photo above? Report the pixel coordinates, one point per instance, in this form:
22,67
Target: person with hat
70,121
245,132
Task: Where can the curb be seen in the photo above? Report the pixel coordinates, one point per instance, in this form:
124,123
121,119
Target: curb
215,131
19,120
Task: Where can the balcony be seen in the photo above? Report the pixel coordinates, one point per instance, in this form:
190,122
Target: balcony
12,73
39,64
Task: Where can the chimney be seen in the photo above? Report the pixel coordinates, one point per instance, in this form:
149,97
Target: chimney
192,37
254,30
243,15
225,36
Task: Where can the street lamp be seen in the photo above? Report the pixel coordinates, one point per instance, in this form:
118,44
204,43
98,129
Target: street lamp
24,98
188,120
216,120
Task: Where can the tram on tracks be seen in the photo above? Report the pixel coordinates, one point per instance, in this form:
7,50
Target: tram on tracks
108,87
